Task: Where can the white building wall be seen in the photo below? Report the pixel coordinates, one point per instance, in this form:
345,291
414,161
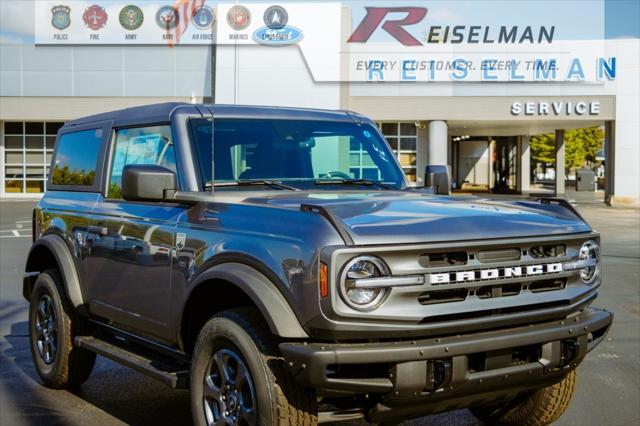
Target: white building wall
627,125
264,75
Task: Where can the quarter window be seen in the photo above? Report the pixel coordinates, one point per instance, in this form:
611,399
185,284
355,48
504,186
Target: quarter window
76,158
142,145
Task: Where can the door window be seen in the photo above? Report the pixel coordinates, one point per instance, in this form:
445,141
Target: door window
141,145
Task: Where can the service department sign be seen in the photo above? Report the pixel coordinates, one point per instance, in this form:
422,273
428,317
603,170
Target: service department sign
556,108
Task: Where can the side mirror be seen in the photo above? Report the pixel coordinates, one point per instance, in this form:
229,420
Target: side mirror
438,178
147,183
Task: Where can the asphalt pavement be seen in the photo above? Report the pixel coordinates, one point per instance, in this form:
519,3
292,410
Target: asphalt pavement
608,391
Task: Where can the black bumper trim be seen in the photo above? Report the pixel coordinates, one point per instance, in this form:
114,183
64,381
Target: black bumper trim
309,361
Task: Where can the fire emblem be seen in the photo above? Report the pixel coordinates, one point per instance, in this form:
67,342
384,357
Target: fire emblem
95,17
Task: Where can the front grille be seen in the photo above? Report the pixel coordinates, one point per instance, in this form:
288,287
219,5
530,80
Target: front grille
438,296
548,251
447,283
492,312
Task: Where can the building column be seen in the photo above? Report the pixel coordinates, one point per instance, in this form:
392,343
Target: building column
609,161
438,148
2,159
559,163
524,165
421,152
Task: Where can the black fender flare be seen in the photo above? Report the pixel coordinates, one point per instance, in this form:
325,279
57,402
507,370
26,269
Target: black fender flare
263,293
56,245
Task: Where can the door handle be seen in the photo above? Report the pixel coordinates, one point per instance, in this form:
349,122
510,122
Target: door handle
103,231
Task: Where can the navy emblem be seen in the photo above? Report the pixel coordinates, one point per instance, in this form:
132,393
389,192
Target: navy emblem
61,17
131,17
203,17
167,17
276,17
239,18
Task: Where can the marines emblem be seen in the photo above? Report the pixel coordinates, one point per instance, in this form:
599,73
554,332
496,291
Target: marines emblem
131,17
239,18
61,17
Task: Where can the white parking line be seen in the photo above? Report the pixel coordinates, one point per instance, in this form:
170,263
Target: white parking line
15,233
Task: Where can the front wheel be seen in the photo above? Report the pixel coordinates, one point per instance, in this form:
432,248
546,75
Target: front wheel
239,378
539,408
52,327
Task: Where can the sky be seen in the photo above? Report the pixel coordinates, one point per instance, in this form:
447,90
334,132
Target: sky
622,18
578,19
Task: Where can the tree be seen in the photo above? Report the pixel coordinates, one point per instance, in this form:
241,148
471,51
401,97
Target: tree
543,148
581,146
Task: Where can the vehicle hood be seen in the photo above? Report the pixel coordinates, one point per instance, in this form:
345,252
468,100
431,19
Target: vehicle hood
397,217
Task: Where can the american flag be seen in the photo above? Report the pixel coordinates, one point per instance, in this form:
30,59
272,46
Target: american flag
185,9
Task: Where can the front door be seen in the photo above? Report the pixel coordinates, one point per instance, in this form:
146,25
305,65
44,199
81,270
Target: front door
473,165
129,244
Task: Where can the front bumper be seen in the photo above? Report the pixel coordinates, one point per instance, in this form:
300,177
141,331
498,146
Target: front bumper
463,368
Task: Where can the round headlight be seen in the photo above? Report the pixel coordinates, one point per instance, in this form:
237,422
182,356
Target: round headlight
590,254
360,268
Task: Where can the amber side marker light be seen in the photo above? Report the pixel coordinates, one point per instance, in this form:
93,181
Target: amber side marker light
324,286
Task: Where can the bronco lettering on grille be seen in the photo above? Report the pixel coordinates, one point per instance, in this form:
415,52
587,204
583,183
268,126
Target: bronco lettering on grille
494,273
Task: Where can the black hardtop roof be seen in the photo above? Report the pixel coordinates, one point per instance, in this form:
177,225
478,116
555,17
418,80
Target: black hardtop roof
161,113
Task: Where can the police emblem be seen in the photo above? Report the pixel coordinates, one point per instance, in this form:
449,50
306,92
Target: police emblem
95,17
167,17
203,17
239,18
276,17
131,17
61,17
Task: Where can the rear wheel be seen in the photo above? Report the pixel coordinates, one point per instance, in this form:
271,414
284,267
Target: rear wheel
52,327
541,407
239,378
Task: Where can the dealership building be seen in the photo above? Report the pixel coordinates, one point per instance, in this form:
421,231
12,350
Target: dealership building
481,129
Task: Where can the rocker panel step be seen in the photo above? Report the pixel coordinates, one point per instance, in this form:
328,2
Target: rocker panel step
169,373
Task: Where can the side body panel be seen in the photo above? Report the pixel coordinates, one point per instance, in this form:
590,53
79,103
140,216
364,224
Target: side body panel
64,215
280,244
128,264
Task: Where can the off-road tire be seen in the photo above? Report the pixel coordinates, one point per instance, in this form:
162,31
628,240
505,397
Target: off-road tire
541,407
280,401
70,366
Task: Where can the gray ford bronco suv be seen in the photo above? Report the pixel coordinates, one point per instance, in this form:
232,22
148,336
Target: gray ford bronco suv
275,262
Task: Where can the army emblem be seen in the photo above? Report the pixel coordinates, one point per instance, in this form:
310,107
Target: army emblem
131,17
167,18
276,17
95,17
203,17
239,18
61,17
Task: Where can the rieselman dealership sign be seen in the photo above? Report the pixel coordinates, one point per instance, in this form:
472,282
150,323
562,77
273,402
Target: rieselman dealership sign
418,41
557,108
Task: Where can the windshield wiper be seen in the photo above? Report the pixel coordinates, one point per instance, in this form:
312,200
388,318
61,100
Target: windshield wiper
353,182
267,182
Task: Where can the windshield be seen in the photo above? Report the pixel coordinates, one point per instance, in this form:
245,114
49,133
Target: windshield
298,153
